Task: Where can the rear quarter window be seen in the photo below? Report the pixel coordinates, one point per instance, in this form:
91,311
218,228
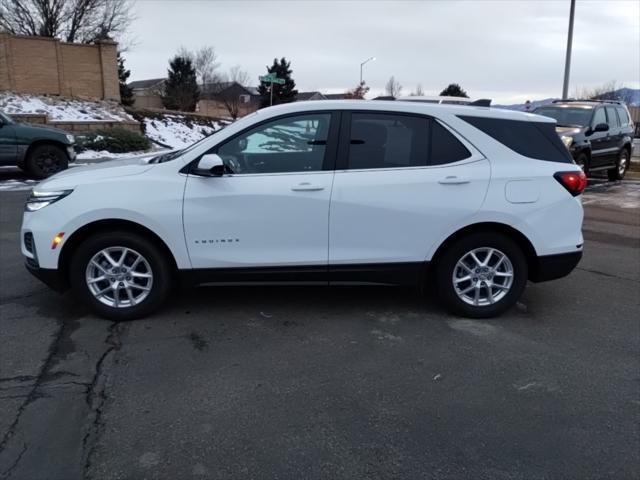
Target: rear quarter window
537,140
624,116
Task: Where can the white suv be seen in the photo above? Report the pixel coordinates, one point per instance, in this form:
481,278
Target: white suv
472,200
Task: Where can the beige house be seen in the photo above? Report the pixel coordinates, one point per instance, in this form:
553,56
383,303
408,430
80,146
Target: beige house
148,93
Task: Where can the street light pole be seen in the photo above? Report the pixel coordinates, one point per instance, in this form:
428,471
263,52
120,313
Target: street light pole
567,62
362,65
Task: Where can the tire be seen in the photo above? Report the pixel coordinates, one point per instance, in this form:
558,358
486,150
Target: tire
148,283
46,160
505,290
582,160
622,164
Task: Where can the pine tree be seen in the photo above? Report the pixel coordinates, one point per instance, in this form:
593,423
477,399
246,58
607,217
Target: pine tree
284,93
126,92
454,90
181,88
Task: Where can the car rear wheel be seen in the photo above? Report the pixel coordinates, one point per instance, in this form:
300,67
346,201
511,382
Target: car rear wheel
481,275
45,160
617,173
120,275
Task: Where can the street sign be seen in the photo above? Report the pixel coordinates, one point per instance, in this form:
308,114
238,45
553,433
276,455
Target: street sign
271,78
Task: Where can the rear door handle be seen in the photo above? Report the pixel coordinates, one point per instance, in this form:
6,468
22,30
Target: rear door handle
453,180
307,187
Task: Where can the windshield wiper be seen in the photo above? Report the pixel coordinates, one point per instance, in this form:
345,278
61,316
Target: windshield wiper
165,157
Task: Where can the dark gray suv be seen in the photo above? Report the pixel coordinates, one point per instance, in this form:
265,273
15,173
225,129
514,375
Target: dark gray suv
598,133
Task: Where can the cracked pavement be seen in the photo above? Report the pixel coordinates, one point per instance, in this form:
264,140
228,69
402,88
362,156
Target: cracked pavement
315,383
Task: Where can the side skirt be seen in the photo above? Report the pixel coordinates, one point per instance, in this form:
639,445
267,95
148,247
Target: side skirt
405,274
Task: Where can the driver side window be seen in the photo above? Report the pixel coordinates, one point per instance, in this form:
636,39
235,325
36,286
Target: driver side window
290,144
598,117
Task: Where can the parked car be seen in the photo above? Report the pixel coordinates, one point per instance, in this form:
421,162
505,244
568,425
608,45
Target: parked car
471,202
38,150
598,133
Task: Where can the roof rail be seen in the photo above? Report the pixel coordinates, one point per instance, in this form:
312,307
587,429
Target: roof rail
578,100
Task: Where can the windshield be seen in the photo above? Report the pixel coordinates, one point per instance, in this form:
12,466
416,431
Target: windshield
5,118
567,116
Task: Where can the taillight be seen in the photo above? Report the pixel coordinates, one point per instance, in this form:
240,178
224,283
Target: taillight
574,182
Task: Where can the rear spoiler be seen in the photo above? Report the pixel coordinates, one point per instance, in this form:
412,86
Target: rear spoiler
482,102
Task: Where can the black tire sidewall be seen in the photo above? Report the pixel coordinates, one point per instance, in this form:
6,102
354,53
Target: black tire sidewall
585,158
35,170
448,260
614,173
159,266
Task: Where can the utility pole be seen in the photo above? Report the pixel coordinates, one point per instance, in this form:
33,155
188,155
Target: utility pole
567,62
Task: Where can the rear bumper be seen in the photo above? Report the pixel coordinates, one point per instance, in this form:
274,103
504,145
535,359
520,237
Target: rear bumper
50,277
550,267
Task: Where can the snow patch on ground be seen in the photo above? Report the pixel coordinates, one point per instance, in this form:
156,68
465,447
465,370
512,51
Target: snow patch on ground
63,109
104,154
177,132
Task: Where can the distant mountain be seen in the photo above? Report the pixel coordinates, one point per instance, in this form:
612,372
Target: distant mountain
628,95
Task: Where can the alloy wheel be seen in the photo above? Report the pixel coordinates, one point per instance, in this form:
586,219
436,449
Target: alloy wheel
483,276
119,277
622,163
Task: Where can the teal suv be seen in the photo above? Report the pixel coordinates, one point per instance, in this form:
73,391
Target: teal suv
38,150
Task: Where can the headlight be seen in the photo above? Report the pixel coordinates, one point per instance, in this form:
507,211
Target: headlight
40,199
567,141
71,138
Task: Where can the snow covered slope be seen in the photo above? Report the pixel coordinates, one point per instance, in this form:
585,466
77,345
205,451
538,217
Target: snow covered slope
63,109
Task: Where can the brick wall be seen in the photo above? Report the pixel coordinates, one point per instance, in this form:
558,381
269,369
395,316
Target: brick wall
76,127
42,65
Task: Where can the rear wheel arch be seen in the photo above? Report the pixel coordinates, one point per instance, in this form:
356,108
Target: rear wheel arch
492,227
108,225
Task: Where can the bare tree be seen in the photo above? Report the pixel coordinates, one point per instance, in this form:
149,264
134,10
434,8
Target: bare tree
81,21
393,87
233,96
238,75
205,62
418,92
611,90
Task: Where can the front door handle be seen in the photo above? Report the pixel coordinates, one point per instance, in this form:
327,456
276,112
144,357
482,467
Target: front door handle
307,187
453,180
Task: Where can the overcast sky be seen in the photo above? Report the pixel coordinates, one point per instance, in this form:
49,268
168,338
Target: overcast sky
508,50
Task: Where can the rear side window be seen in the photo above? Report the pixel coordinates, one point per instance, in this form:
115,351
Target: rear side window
537,140
380,140
612,117
387,140
624,117
445,148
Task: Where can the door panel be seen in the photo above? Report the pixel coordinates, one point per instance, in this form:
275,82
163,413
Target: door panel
601,142
273,208
381,216
257,220
8,147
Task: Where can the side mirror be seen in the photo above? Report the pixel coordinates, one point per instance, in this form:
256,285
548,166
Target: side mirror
601,127
209,166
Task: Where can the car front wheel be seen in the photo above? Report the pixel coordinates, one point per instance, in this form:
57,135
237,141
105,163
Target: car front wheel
481,275
46,160
120,275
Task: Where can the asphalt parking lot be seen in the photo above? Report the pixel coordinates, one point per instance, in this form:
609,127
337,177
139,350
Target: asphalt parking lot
330,383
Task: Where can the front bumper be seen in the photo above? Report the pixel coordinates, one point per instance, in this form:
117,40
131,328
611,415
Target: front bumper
551,267
50,277
71,153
